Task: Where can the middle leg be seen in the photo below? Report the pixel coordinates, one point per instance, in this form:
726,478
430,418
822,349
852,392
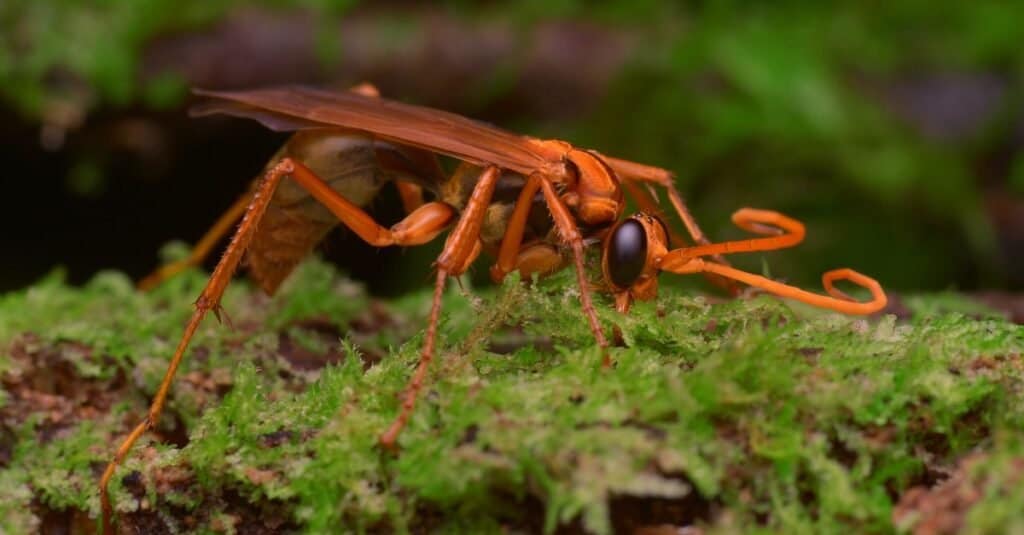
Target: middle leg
570,235
460,250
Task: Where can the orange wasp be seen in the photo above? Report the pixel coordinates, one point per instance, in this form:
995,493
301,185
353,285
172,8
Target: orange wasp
533,203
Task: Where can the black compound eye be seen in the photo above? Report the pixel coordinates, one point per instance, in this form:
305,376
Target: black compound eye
627,253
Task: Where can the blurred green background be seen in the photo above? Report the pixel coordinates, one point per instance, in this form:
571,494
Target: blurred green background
893,129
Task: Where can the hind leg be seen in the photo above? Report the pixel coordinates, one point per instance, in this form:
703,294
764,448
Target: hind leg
419,227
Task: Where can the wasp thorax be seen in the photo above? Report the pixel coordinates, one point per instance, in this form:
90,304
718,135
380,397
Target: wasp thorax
600,197
627,253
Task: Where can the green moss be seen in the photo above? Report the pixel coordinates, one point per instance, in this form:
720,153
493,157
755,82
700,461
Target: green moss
779,419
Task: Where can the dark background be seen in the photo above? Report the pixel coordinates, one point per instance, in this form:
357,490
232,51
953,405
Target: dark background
894,132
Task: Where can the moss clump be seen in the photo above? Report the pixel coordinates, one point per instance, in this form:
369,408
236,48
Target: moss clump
742,415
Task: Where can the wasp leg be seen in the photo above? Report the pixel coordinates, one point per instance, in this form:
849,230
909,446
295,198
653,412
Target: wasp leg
208,300
538,258
419,227
513,238
627,170
411,195
461,248
570,234
788,232
542,258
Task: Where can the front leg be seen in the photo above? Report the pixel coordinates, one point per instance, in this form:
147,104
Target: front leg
570,235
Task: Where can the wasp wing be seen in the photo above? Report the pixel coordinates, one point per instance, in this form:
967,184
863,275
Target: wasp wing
297,107
277,122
